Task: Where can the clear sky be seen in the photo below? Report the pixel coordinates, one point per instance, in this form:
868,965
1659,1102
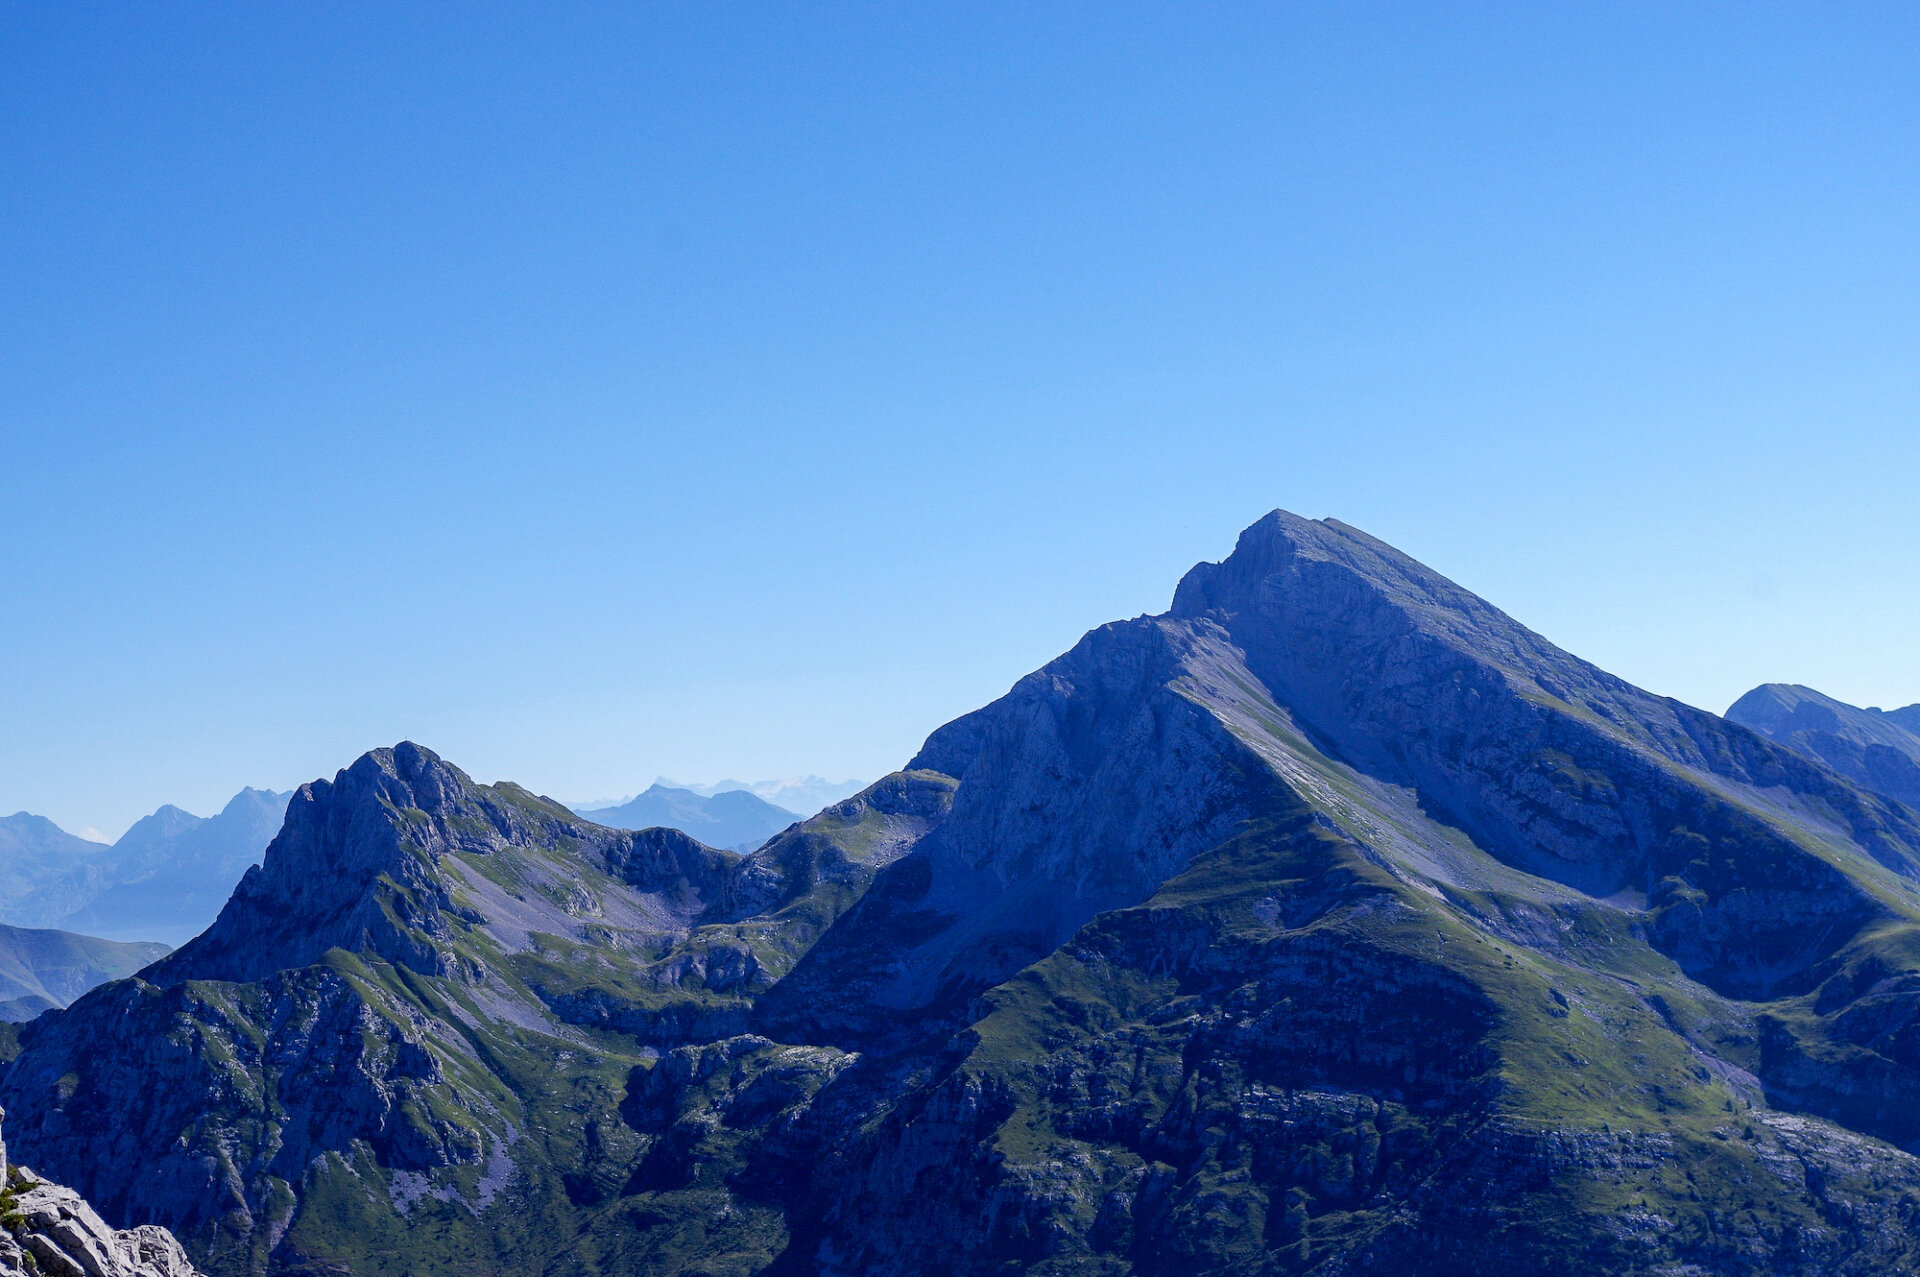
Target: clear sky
592,392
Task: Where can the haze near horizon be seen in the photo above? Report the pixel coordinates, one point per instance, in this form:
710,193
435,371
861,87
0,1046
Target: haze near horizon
593,395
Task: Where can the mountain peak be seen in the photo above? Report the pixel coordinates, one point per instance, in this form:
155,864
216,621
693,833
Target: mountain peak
388,818
1331,921
1333,618
1281,537
1870,747
164,822
1286,562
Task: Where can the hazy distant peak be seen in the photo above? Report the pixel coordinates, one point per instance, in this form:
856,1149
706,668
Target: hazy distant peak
25,833
1775,707
250,801
26,820
164,879
165,822
1872,747
733,818
803,794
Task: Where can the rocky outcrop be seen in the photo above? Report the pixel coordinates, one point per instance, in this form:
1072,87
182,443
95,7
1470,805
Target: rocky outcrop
355,865
433,991
50,1231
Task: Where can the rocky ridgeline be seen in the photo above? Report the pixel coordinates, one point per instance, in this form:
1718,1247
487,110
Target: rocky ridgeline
1330,923
50,1231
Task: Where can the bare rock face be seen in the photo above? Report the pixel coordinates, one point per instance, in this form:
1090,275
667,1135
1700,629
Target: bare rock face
51,1231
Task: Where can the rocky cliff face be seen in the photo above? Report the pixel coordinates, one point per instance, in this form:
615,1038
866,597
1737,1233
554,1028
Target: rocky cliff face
50,1231
1331,922
1877,749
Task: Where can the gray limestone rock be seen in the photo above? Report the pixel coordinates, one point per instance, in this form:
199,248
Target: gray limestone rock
51,1231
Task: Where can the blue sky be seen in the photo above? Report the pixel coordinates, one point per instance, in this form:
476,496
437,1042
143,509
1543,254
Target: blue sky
593,392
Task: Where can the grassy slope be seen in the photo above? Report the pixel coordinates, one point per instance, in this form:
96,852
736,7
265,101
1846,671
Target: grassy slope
1351,1039
1346,1039
398,1122
1286,1061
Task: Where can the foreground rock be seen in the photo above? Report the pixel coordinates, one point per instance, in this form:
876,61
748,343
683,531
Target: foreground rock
50,1231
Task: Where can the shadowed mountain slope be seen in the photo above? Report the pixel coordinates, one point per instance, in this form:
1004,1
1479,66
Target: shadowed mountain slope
1878,749
48,1229
1330,923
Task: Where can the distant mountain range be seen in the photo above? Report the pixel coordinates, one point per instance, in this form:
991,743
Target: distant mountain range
167,876
42,969
805,795
36,854
734,819
1330,922
164,880
1877,748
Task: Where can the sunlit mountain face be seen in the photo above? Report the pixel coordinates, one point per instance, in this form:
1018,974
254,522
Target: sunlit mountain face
1329,922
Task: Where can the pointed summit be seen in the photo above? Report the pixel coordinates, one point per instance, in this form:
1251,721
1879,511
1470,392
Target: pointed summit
356,865
1332,613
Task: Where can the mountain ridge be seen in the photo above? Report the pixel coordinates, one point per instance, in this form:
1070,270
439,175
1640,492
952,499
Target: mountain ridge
43,969
1877,749
1329,922
804,794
